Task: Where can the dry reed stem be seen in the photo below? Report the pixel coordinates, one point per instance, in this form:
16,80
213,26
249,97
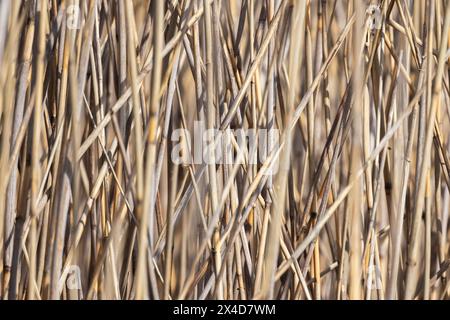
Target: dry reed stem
108,192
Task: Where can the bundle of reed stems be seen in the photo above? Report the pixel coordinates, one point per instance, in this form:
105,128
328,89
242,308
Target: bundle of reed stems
104,193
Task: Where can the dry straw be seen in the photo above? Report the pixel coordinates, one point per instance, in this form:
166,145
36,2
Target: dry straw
350,201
